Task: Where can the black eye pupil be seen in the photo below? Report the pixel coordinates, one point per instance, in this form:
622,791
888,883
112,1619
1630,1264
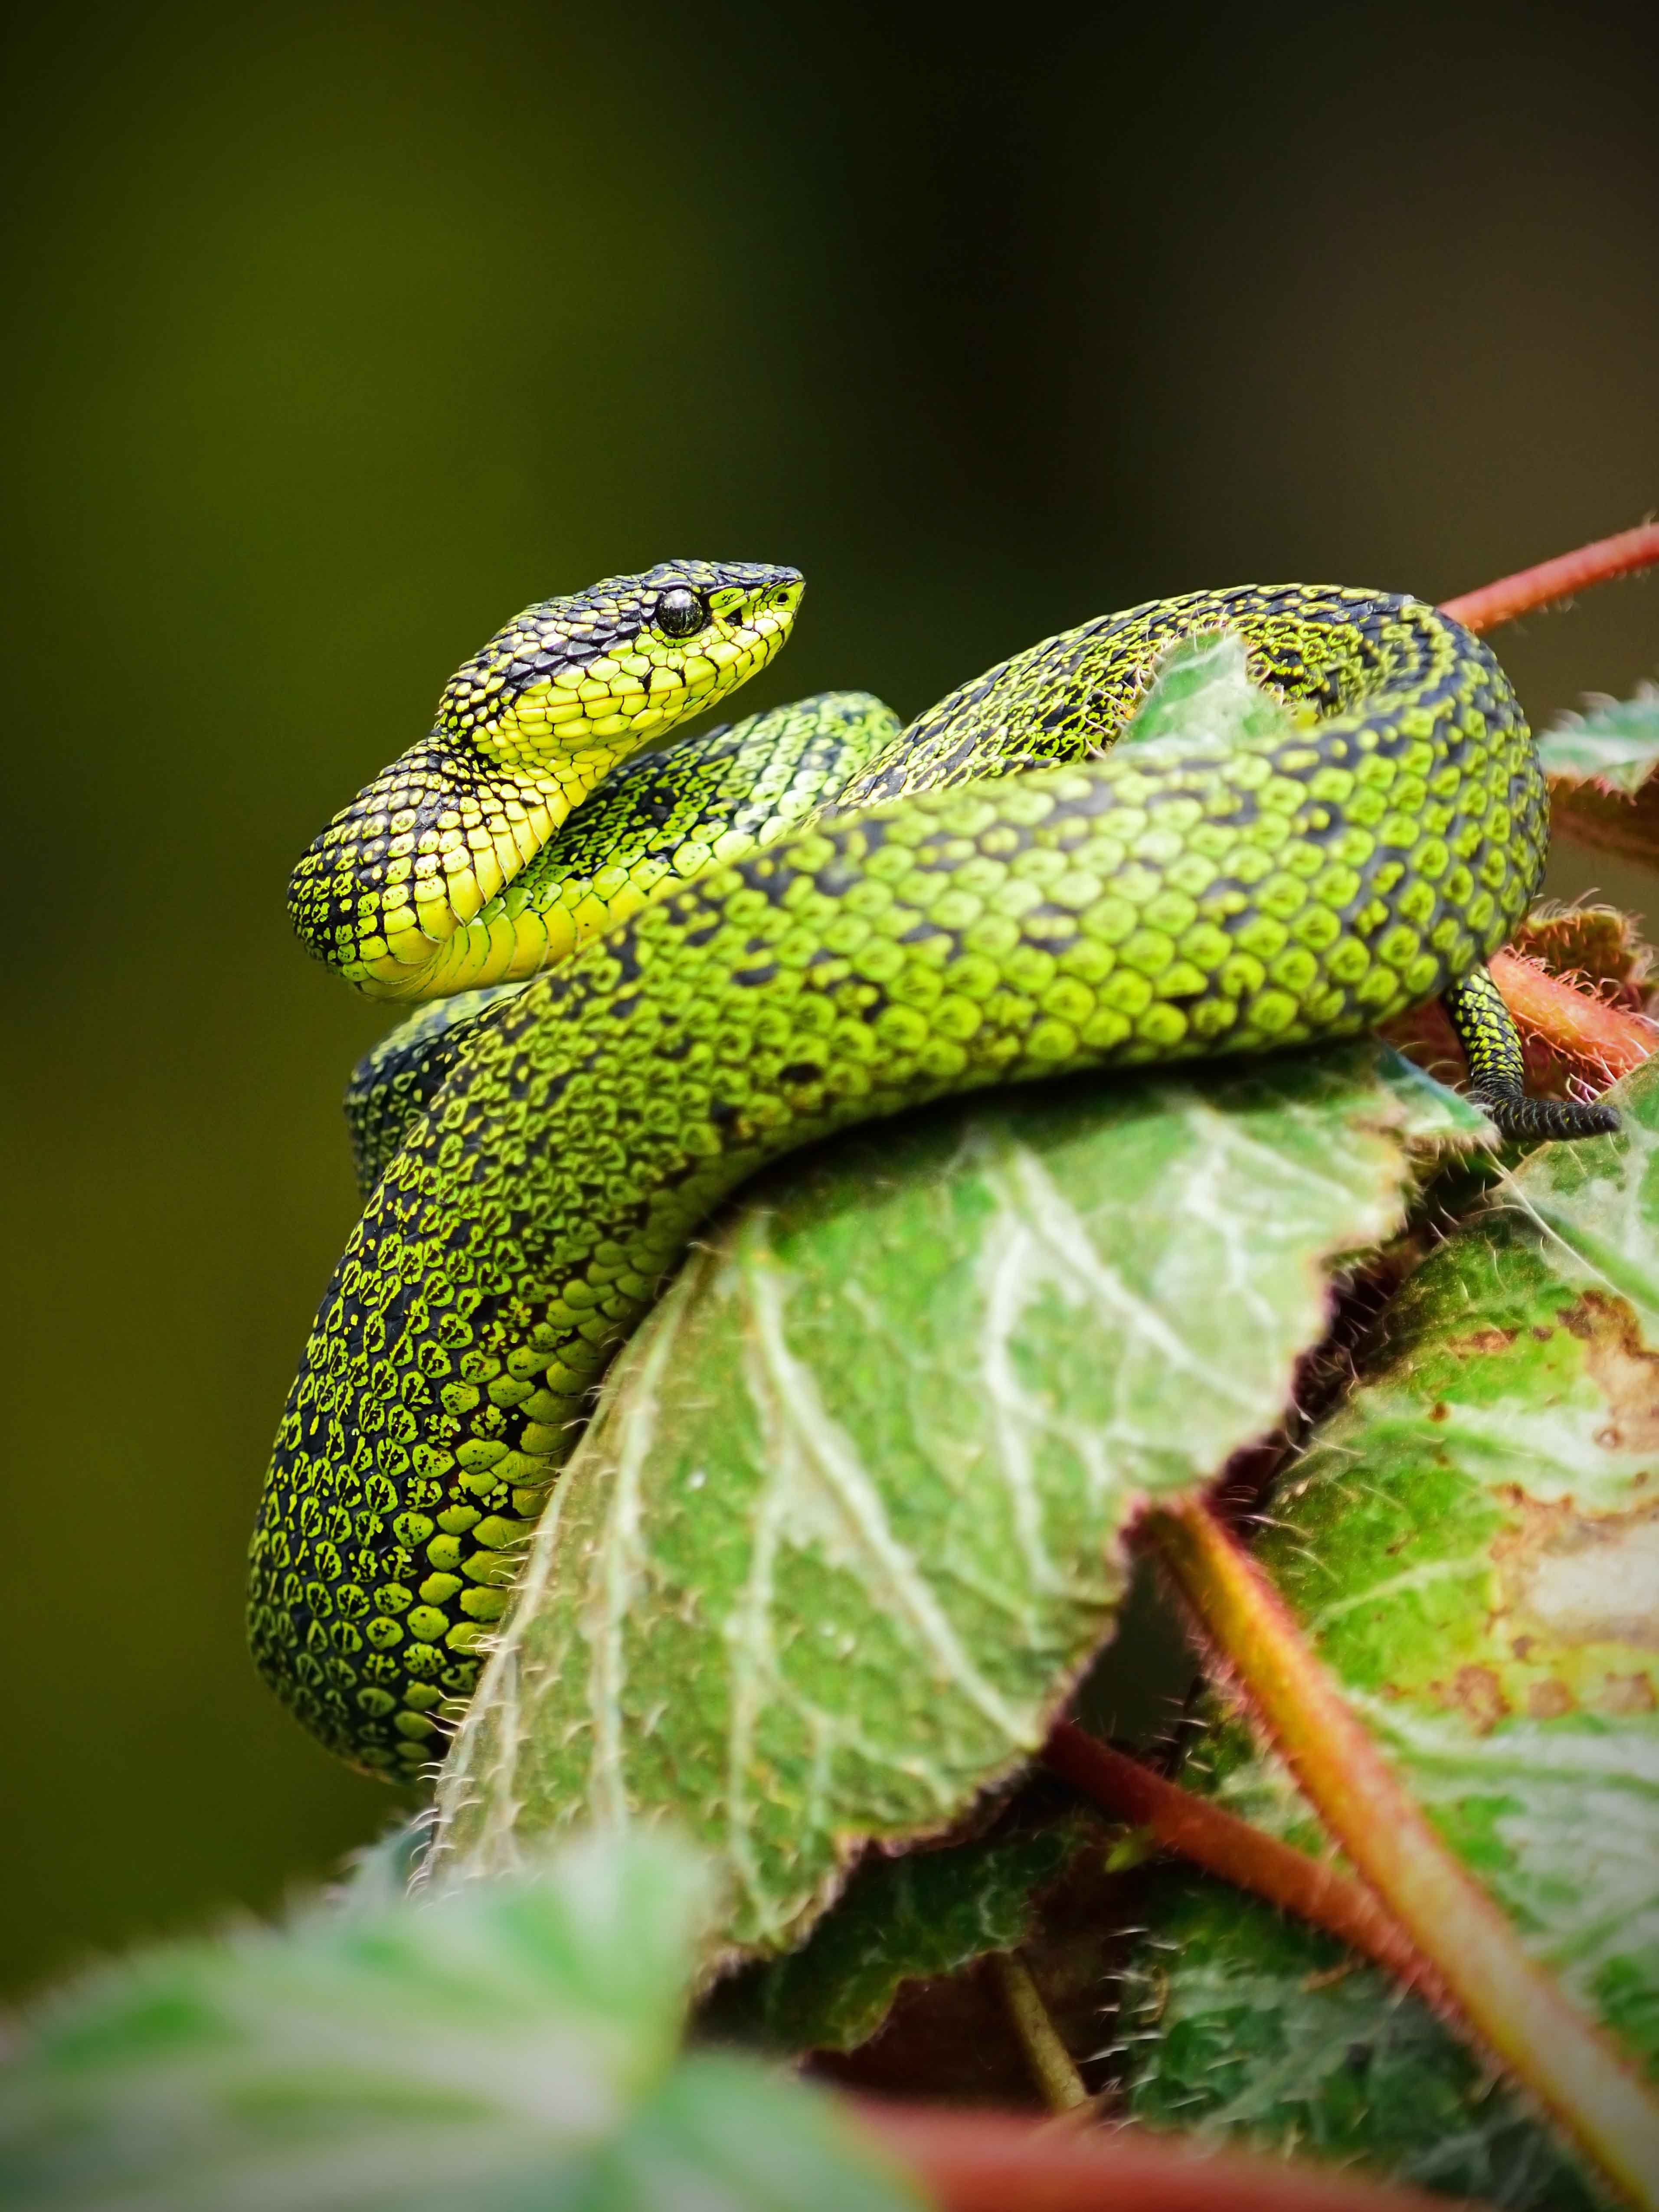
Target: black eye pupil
679,613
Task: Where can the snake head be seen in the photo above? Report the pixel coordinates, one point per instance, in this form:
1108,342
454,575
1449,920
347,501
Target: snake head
590,676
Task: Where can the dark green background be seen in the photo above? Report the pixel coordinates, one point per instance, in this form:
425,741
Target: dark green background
336,335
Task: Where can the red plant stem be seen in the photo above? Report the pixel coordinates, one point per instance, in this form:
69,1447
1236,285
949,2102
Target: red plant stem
1575,1023
1531,588
1512,2004
1223,1845
1001,2162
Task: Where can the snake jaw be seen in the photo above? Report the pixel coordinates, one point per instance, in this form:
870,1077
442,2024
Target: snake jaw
578,682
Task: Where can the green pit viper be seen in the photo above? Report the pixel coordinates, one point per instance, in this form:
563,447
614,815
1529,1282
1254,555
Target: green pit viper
655,972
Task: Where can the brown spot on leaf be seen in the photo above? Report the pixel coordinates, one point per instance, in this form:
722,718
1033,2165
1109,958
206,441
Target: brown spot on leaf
1571,1577
1548,1700
1621,1367
1627,1693
1608,821
1481,1340
1477,1693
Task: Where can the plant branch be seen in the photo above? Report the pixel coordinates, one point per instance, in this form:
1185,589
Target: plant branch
1514,2006
1541,587
1049,2062
1604,1039
988,2162
1223,1845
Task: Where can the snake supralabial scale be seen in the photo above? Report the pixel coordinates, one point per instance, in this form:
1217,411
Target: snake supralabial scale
767,933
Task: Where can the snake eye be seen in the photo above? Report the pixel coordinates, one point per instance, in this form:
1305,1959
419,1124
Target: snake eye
680,612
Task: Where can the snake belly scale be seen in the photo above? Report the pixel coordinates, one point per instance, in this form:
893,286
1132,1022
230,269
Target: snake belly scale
992,895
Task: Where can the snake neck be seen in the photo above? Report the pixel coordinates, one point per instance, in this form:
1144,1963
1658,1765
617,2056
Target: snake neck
390,892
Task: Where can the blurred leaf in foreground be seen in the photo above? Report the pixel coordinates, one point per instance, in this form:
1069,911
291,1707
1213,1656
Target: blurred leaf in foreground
1472,1545
498,2050
1203,689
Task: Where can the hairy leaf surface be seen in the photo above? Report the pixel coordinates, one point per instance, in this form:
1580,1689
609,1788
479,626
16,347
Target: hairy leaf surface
898,1920
1472,1545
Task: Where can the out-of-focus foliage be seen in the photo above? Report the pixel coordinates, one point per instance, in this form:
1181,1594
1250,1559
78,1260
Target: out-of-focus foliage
1613,745
510,2047
1600,764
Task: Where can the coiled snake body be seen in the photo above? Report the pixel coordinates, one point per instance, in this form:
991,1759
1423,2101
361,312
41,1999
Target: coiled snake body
766,934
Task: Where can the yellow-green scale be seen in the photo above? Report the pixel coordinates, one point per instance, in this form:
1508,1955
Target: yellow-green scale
400,891
958,920
656,820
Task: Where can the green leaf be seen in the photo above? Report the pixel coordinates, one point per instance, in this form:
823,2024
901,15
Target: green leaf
1203,689
1472,1545
1239,2022
1615,745
848,1525
503,2048
1600,767
898,1920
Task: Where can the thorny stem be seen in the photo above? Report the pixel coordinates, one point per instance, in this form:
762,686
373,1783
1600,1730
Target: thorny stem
1605,1040
993,2161
1513,2005
1049,2062
1223,1845
1532,588
1578,1026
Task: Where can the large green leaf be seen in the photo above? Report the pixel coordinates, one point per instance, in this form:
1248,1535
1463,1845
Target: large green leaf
847,1524
1472,1545
507,2048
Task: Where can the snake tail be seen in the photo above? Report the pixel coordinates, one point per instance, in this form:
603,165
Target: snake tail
1485,1029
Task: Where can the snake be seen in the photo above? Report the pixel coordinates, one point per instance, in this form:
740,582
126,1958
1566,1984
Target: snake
645,960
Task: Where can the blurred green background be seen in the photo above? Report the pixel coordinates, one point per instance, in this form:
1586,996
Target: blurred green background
336,335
